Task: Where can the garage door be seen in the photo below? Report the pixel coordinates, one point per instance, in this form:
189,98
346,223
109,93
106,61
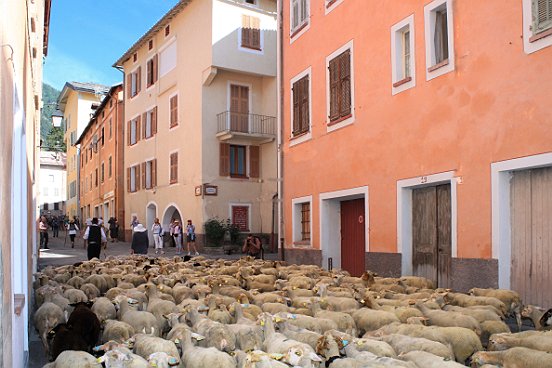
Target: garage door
531,224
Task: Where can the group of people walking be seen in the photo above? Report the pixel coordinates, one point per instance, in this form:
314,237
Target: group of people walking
140,239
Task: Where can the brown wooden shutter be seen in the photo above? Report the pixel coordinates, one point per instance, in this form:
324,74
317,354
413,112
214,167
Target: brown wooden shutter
154,173
255,33
128,179
345,83
305,104
138,126
155,67
144,175
129,85
129,123
224,159
154,121
144,119
137,176
246,31
334,92
254,161
296,90
138,79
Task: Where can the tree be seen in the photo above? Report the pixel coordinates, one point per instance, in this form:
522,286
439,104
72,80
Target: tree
49,99
54,140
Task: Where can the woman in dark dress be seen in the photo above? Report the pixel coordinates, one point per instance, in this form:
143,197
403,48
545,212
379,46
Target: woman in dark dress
140,241
113,229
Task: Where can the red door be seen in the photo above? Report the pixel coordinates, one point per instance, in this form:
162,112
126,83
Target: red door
353,236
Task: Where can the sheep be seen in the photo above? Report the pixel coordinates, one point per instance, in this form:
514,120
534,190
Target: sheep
216,334
403,344
344,321
46,318
449,319
199,357
145,345
379,348
75,296
84,321
366,357
534,313
370,319
141,321
161,359
121,357
257,359
217,313
104,309
158,307
274,308
428,360
416,281
517,357
75,359
319,325
478,313
489,328
117,331
464,300
76,282
299,334
503,341
90,290
64,337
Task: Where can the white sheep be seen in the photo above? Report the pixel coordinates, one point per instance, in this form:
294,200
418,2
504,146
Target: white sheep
141,321
75,359
199,357
145,345
403,344
427,360
48,316
104,309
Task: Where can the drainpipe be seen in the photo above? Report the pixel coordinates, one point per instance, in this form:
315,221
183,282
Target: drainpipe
118,198
279,72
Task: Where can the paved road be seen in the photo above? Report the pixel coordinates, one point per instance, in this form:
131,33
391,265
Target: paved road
61,253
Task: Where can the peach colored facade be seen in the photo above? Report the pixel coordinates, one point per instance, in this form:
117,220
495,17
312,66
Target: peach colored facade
458,123
101,160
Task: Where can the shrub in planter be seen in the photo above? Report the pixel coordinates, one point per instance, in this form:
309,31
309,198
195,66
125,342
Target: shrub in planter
214,232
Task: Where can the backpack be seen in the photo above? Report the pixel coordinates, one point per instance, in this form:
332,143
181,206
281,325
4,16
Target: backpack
72,227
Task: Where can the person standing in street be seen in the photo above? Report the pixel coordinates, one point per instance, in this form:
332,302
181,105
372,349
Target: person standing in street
43,231
157,231
140,241
55,227
177,235
72,228
113,229
134,222
94,238
191,237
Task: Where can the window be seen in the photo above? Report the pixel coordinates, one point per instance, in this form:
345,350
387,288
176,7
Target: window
173,168
133,178
301,106
173,107
233,161
299,15
56,192
133,131
56,206
240,217
109,170
301,221
537,25
149,174
439,38
73,137
72,189
102,137
167,30
96,177
46,207
110,129
305,221
151,71
251,32
150,44
340,87
402,55
102,173
134,82
149,123
90,183
167,59
134,57
252,2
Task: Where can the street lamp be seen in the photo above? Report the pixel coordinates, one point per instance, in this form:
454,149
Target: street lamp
57,118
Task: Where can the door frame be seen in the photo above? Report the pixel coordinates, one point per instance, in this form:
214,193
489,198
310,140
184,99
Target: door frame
404,213
501,174
330,222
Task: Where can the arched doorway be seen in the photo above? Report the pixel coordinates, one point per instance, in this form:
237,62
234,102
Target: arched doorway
172,212
151,214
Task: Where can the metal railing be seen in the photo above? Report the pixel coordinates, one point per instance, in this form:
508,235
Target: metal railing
228,121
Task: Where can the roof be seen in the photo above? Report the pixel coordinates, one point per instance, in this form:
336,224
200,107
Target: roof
161,23
51,158
98,110
47,9
79,87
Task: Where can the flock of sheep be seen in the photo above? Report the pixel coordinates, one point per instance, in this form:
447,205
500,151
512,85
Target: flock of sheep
137,311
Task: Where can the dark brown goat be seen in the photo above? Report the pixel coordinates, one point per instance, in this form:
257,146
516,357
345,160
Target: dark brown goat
65,338
85,322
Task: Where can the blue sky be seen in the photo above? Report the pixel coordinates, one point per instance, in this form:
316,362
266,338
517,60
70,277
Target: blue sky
88,36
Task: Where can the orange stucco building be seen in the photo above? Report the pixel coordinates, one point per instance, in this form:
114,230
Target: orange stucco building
101,161
416,139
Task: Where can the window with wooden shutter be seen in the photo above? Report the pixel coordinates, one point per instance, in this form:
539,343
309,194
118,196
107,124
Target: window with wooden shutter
137,177
149,73
305,221
129,85
129,173
139,80
224,159
238,162
173,105
254,161
440,36
301,112
129,128
154,120
340,86
542,15
154,173
251,32
173,168
144,175
145,126
299,15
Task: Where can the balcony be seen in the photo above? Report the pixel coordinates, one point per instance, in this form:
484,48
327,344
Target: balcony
254,128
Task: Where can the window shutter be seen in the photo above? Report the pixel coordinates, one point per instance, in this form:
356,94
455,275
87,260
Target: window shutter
304,105
138,126
255,33
345,81
129,123
295,14
138,79
246,31
542,15
155,67
334,82
144,119
128,179
304,10
154,173
296,90
129,85
254,161
224,162
175,176
137,176
144,175
154,121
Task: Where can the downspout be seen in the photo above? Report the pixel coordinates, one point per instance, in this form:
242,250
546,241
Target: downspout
280,96
117,202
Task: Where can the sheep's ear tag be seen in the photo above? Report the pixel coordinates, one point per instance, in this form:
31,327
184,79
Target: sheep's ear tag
198,337
278,320
294,287
97,348
173,361
360,342
177,341
153,364
245,305
276,356
262,323
100,359
345,342
363,301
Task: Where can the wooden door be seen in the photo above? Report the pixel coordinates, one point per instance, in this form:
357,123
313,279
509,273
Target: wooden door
239,108
353,236
431,233
531,235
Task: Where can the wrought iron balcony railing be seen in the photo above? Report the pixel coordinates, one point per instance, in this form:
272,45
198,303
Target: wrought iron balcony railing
249,124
